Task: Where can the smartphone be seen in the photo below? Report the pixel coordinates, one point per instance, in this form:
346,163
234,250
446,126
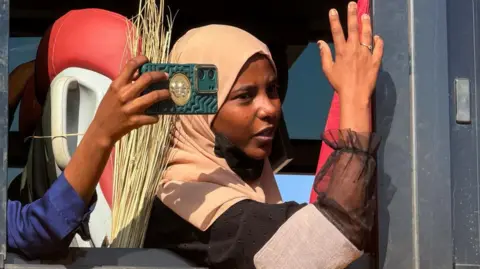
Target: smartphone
193,89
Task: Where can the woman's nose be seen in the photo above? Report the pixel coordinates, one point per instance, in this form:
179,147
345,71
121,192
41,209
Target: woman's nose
267,109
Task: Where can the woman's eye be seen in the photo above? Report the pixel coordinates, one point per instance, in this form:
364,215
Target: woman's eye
243,96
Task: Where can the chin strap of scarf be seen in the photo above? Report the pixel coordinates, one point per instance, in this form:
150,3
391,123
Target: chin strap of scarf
333,120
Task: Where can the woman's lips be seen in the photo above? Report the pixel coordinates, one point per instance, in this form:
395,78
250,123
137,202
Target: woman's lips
266,134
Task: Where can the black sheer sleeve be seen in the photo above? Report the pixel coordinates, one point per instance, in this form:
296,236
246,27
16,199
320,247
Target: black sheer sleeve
349,201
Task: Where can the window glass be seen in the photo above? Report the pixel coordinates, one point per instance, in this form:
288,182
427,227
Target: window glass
308,96
295,187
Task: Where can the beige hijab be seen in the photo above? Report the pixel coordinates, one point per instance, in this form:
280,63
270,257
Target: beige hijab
198,185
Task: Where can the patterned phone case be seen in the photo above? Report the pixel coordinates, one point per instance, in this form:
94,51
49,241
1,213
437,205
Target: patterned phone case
193,89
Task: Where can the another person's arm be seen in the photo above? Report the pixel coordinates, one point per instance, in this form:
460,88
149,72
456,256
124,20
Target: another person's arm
121,110
17,80
47,225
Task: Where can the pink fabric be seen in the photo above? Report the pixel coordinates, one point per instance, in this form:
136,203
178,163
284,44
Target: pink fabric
333,120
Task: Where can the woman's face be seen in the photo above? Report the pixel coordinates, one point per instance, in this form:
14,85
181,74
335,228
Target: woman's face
250,114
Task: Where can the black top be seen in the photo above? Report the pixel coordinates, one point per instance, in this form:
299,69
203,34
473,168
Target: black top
232,240
237,235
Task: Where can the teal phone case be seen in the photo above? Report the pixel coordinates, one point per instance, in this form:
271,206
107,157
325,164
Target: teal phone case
193,89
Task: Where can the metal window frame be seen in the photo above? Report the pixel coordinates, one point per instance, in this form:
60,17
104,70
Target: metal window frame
4,35
464,38
415,213
412,115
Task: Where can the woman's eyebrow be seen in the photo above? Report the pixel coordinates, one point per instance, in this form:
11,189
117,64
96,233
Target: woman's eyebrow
245,87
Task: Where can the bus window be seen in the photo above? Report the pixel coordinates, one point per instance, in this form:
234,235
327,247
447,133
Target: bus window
21,50
308,96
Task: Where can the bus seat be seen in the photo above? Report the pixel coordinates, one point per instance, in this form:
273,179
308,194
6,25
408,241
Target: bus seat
73,98
92,40
75,63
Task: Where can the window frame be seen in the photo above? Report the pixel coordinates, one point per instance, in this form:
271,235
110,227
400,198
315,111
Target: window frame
4,35
414,169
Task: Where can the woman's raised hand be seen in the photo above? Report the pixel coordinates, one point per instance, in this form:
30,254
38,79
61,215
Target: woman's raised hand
354,72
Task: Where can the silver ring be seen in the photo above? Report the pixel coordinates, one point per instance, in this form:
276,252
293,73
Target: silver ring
368,46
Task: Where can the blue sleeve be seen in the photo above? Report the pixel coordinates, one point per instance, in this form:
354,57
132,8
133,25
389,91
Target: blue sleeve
47,225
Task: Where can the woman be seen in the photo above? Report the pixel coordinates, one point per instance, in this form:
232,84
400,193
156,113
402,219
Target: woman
218,204
45,227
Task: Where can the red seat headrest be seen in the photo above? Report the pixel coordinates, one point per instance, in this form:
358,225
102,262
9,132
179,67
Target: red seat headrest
94,39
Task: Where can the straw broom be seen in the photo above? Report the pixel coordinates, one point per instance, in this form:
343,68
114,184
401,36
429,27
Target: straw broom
142,155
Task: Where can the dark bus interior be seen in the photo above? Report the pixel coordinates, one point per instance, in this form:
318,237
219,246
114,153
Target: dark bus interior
285,27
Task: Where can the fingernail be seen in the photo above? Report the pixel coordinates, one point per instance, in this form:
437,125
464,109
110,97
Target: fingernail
376,37
333,12
319,43
365,17
352,5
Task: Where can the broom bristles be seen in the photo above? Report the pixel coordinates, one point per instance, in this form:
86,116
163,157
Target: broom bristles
141,156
